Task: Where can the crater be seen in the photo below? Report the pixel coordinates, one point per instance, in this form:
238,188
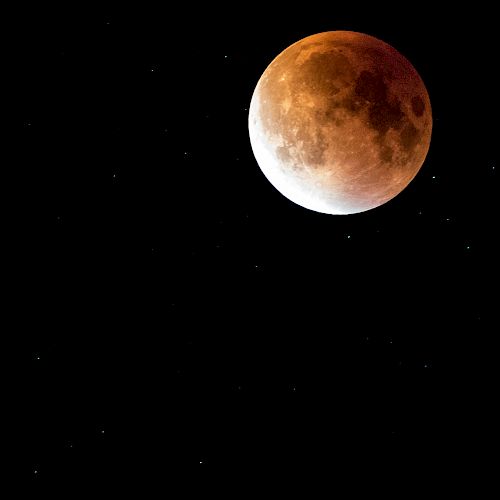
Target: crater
313,148
371,87
325,72
386,153
418,106
382,113
283,154
385,115
409,137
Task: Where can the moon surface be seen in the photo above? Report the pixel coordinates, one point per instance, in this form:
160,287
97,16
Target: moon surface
340,122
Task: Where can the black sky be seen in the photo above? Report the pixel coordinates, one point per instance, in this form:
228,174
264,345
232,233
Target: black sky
176,313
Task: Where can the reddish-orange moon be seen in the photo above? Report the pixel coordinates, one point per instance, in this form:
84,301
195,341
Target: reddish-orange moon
340,122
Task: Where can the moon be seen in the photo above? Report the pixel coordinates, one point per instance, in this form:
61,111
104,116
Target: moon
340,122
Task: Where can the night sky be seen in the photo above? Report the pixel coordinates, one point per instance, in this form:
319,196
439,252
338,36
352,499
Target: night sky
177,315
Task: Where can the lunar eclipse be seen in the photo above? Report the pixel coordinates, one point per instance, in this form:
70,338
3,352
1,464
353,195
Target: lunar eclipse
340,122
